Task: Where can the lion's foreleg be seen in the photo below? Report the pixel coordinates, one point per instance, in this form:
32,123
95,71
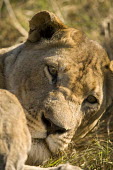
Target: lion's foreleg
60,167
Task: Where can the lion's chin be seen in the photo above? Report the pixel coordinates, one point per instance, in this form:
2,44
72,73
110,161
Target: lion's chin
39,152
57,143
43,149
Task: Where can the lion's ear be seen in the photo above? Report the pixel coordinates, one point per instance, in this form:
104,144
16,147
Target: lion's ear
111,65
43,25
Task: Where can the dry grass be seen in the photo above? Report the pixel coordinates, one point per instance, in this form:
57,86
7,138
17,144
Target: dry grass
96,156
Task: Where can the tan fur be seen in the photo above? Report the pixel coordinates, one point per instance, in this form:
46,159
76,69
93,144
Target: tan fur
15,140
58,111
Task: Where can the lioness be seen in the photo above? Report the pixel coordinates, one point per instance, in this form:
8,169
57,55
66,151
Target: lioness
62,79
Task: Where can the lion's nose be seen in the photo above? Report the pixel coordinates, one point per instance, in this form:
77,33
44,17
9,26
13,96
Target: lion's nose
52,128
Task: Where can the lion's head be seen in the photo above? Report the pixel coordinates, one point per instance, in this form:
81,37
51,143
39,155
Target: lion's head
62,79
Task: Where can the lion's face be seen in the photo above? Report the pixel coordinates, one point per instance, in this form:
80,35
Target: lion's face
61,82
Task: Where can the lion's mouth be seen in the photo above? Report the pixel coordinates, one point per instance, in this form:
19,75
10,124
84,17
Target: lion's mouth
52,128
56,140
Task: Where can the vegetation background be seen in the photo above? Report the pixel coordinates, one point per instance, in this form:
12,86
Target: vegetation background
87,15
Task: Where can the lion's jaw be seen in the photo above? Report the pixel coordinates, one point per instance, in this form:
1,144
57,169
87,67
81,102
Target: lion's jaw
43,149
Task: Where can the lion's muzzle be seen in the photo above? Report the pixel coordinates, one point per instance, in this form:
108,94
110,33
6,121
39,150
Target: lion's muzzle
52,128
59,113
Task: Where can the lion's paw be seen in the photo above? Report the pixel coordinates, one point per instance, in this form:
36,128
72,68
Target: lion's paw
67,167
